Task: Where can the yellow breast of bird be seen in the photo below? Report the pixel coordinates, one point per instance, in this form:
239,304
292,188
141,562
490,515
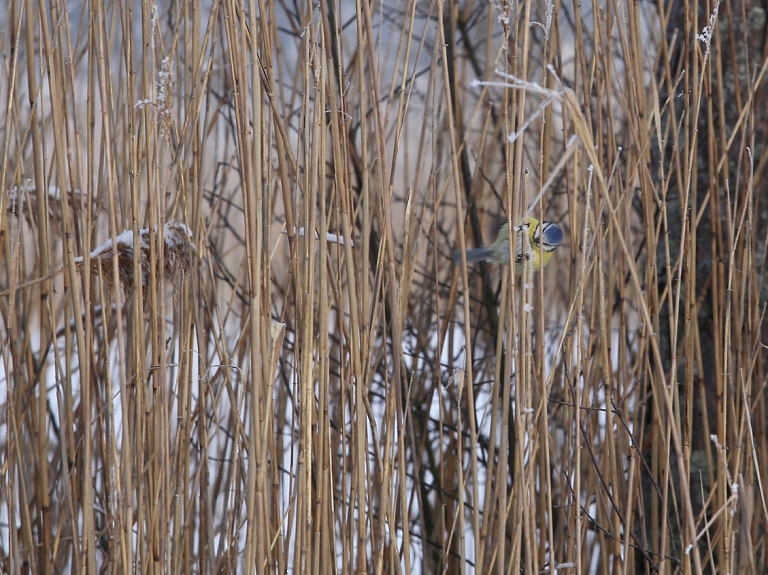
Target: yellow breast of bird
528,252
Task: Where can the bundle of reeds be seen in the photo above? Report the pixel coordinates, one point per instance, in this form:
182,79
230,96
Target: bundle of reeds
178,255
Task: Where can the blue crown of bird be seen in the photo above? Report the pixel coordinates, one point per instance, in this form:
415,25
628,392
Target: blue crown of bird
543,238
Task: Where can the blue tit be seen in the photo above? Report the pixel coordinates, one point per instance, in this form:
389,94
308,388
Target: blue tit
543,239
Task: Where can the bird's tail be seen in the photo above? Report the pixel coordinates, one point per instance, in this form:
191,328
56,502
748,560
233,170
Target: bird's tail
485,254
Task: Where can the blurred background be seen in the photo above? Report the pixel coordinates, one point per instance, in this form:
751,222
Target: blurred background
233,338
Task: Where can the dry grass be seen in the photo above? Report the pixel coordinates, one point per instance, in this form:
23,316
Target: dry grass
257,398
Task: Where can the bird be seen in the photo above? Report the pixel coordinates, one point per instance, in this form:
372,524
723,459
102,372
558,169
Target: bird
543,240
